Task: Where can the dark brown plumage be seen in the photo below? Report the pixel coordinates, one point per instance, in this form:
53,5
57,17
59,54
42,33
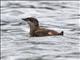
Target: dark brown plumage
37,31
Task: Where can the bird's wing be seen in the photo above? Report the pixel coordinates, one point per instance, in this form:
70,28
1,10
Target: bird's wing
41,32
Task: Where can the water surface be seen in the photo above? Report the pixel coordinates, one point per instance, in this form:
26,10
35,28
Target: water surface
58,15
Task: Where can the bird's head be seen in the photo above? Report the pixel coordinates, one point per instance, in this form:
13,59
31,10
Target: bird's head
31,21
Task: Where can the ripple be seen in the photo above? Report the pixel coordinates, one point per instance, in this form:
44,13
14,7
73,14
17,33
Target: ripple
13,5
49,8
4,22
71,24
58,56
13,12
65,7
4,30
34,48
22,59
37,58
41,43
17,24
70,55
75,53
74,29
46,3
17,5
75,14
73,43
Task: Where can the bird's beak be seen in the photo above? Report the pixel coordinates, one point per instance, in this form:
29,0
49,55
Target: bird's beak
24,19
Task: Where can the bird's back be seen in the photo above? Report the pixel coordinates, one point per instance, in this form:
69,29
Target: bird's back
45,32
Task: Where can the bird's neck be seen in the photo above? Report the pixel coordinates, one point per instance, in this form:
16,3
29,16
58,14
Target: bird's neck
33,29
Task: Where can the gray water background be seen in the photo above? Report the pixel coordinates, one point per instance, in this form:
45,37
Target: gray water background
56,15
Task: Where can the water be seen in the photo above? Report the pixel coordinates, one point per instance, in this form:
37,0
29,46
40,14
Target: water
58,15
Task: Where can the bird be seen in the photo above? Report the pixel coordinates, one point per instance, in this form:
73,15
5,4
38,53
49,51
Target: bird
37,31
